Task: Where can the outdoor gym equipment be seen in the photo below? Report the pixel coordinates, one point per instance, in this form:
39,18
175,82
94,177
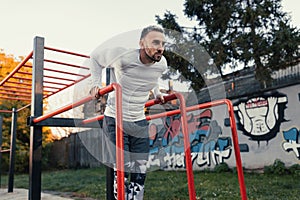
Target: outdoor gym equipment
40,91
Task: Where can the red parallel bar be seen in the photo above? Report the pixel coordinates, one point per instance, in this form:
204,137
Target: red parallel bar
60,89
20,77
53,87
237,150
187,147
147,104
17,87
52,70
17,68
13,98
70,106
188,109
19,94
19,83
5,111
26,73
59,78
22,108
119,142
93,119
5,151
157,101
19,91
28,66
66,64
56,83
66,52
63,72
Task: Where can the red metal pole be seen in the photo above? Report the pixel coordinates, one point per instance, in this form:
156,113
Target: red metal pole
60,89
147,104
13,98
63,72
5,111
17,68
119,143
70,106
66,52
156,101
62,109
93,119
66,64
187,148
237,150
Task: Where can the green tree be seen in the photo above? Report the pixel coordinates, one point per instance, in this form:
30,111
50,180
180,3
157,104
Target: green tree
240,33
7,64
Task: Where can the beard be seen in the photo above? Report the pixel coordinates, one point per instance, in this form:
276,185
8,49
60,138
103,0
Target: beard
156,57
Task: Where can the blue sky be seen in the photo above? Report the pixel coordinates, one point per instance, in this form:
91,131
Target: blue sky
81,26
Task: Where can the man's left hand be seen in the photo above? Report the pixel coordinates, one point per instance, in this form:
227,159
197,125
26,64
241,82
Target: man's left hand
161,98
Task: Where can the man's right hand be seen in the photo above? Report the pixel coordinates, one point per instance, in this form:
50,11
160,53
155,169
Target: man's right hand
94,92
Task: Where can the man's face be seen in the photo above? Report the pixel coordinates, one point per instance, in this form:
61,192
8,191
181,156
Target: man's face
153,45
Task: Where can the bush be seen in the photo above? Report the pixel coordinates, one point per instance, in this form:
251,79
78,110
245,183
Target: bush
295,169
278,168
22,161
46,150
222,167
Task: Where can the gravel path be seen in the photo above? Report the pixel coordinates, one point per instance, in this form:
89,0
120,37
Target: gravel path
22,194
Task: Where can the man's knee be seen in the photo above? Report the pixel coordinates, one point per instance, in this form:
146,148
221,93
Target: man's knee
138,178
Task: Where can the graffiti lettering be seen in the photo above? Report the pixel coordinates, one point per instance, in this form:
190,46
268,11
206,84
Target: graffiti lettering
291,144
207,145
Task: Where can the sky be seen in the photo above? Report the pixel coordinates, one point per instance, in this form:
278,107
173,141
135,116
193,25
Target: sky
80,26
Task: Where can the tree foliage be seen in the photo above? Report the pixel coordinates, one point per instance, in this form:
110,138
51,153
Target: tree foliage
240,34
7,64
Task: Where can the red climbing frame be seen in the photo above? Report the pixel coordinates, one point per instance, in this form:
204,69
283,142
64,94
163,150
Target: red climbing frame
18,84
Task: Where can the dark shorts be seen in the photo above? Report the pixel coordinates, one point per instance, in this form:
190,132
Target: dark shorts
136,139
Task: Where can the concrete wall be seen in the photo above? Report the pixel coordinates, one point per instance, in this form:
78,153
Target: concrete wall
268,129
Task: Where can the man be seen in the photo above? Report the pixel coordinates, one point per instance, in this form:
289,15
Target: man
137,71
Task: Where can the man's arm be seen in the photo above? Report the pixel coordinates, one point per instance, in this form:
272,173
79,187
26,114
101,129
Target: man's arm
96,76
157,94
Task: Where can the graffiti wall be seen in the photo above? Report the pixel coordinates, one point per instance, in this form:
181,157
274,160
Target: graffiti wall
210,140
268,129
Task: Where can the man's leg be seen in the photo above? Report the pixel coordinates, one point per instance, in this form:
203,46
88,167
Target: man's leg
126,183
109,127
137,181
139,153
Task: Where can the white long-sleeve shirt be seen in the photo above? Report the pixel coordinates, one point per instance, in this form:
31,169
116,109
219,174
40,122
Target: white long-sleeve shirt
135,78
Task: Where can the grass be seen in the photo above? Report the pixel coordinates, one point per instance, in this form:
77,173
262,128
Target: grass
170,185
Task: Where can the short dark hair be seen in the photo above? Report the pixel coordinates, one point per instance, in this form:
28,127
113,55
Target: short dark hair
151,28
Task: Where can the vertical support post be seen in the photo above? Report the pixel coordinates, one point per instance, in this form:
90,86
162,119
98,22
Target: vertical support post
109,169
35,160
119,142
187,148
1,122
109,183
12,150
237,151
107,76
